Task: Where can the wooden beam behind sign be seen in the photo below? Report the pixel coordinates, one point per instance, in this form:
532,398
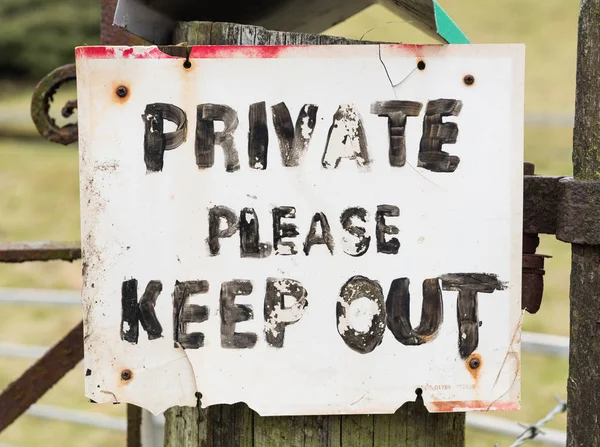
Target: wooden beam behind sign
309,230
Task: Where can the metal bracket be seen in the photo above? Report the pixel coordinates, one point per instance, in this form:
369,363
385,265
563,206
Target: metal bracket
540,204
568,208
578,212
540,196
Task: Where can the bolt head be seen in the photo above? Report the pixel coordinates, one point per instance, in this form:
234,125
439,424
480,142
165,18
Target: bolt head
474,363
126,374
469,79
122,91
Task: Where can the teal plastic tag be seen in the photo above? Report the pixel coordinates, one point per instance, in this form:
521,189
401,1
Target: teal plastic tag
446,27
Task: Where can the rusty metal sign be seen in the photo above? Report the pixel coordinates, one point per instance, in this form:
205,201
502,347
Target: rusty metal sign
309,230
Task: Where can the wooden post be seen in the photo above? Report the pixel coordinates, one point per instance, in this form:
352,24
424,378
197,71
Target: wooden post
237,425
583,417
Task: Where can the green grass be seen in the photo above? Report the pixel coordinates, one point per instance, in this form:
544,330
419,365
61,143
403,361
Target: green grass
39,200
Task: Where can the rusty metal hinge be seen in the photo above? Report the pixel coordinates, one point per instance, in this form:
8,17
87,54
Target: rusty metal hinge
567,208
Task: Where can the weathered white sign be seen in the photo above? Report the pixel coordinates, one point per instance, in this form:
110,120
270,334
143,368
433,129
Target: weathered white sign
309,230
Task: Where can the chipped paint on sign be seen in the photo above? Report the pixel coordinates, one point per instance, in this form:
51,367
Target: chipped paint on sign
346,219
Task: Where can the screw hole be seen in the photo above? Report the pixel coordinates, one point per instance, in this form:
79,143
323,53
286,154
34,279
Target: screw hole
474,363
421,65
469,79
122,91
187,64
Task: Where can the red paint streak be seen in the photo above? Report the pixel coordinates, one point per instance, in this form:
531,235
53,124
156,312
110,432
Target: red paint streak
198,52
232,51
417,50
93,53
120,52
457,405
227,51
153,53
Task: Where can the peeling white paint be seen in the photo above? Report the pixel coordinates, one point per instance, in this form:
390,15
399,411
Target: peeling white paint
344,138
305,129
343,325
283,250
361,313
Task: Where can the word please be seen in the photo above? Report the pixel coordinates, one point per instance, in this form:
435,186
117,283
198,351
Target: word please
356,240
346,138
285,301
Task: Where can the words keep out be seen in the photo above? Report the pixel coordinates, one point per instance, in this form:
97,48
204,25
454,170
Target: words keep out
286,299
346,138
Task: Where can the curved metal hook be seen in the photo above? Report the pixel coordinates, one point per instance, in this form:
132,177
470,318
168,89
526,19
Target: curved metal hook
40,106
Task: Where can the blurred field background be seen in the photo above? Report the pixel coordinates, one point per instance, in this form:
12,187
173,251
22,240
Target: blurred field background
39,195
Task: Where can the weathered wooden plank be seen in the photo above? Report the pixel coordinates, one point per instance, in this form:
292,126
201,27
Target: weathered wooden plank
584,349
276,37
185,427
388,429
236,425
218,34
424,429
294,38
233,33
198,32
134,426
334,428
311,39
357,430
224,33
248,35
230,425
317,430
279,431
263,37
415,413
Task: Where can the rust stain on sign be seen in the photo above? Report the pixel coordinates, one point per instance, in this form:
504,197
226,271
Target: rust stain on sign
471,405
121,91
474,365
126,375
